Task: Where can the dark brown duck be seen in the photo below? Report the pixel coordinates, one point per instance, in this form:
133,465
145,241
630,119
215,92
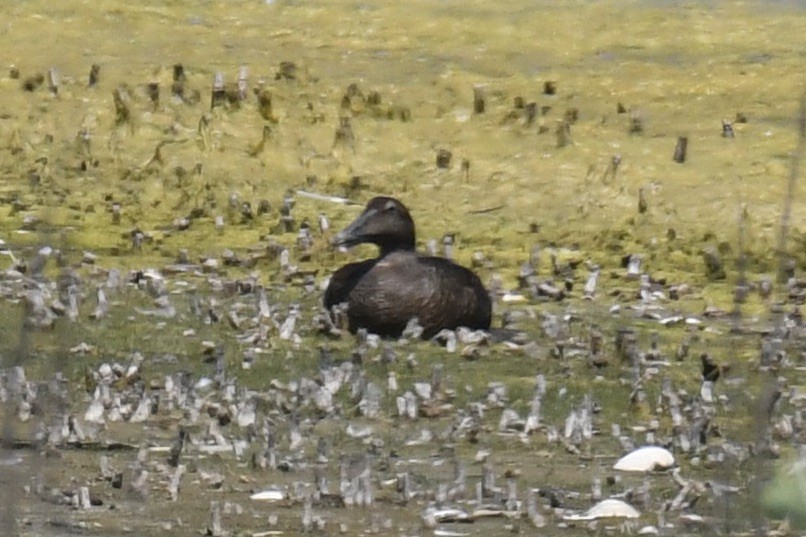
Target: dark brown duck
385,293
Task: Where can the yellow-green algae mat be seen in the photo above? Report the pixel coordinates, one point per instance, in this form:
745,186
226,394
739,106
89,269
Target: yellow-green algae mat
678,70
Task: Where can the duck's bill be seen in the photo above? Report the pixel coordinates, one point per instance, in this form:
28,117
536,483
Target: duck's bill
342,240
354,233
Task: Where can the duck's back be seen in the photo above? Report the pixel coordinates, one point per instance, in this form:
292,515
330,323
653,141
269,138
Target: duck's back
384,294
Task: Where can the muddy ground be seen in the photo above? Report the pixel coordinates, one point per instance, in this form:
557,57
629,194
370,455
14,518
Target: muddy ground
561,122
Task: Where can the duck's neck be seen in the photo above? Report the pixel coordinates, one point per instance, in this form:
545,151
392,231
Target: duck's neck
396,246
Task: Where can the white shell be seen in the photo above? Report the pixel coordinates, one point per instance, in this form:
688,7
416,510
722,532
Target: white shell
511,297
268,495
610,508
645,459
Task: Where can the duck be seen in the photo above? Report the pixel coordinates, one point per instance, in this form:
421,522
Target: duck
385,293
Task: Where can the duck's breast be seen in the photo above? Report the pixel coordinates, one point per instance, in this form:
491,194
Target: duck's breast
344,280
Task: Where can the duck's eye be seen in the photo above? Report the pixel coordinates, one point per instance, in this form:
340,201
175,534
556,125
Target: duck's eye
390,206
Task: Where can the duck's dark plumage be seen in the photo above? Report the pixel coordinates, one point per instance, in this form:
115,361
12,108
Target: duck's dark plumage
385,293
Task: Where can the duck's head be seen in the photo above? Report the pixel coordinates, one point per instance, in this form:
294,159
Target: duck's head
385,222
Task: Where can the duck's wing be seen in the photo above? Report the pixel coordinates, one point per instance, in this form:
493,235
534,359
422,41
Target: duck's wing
404,285
465,300
344,281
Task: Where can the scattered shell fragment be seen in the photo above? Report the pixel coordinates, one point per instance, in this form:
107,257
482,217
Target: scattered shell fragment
433,516
447,533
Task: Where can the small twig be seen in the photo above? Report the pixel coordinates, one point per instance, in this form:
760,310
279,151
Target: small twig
324,197
487,210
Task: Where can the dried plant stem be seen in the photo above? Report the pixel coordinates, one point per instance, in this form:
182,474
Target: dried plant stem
741,283
790,192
